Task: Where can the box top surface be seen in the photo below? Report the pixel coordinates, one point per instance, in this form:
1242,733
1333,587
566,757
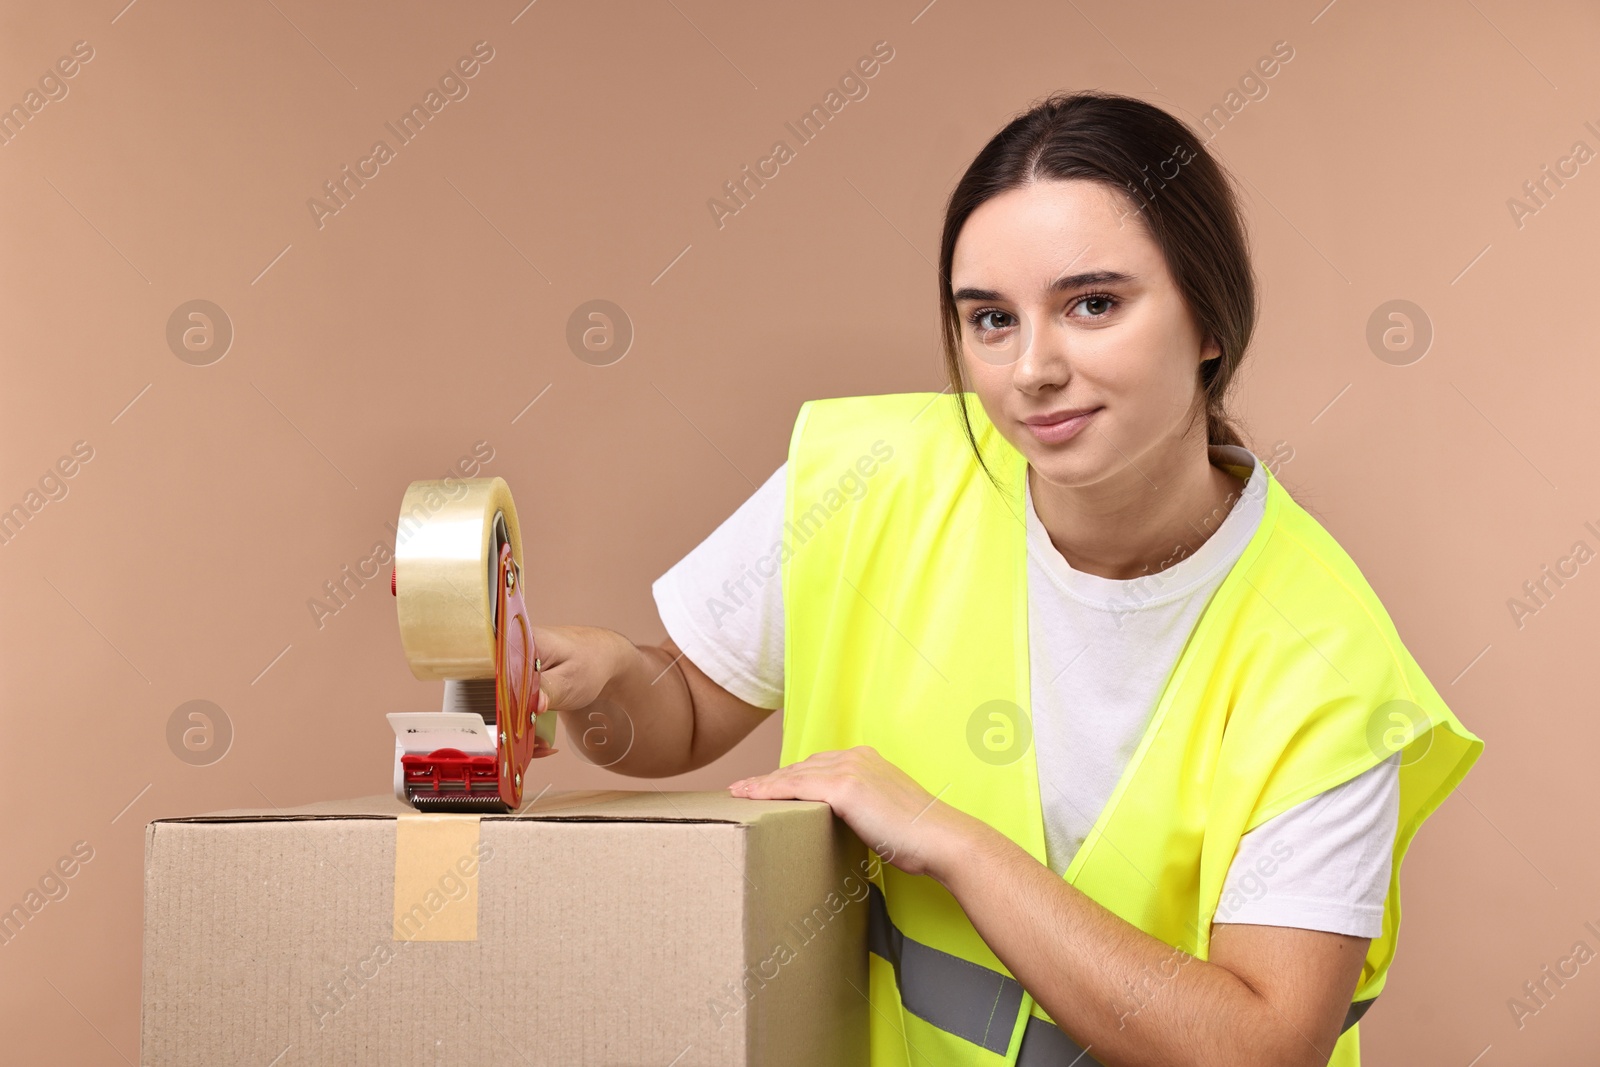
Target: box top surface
582,805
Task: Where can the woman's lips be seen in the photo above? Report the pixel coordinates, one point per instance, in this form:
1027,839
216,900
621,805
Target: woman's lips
1056,432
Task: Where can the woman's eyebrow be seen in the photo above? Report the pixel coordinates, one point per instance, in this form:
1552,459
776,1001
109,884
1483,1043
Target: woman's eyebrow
1066,281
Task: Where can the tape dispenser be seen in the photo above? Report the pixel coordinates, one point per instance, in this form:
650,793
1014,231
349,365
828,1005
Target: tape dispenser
458,589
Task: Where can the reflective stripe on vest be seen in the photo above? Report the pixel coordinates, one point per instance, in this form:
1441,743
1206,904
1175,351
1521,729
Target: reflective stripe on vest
976,1003
954,994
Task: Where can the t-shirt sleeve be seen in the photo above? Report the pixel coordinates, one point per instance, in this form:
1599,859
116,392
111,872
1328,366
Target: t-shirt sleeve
723,602
1322,865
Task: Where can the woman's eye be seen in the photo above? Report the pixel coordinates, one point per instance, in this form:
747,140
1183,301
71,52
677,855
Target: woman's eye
988,321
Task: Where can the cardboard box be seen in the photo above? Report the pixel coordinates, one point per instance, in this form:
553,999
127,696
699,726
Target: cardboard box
644,929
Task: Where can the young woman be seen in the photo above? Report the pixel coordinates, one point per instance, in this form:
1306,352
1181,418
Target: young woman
1140,748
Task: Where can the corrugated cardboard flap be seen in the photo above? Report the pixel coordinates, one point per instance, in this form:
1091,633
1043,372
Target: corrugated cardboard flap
580,805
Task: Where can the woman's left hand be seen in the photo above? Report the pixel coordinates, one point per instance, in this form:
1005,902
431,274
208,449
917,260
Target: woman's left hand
897,818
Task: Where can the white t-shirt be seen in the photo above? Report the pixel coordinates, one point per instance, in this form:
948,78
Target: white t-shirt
1100,652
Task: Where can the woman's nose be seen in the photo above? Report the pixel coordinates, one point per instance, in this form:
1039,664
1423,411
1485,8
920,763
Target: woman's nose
1042,358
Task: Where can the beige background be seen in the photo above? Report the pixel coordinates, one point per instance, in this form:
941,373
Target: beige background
430,311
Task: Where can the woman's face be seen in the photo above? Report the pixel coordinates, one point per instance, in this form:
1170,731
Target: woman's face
1066,305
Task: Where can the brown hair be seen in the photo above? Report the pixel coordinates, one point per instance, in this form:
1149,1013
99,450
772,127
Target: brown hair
1193,216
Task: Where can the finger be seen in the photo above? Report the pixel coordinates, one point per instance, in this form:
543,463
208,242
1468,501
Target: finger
823,762
777,774
780,786
550,645
555,686
759,788
743,785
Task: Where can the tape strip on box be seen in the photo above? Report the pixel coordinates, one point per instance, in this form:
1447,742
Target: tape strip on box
437,861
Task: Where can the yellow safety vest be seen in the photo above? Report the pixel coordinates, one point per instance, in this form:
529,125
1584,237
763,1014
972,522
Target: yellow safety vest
905,590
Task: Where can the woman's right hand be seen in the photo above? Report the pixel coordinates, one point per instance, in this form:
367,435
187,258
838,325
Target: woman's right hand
641,710
577,662
578,667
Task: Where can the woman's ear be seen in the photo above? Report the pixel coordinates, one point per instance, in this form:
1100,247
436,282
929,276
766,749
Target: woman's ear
1212,349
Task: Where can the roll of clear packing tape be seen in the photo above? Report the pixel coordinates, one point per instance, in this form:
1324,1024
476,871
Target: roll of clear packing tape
446,546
